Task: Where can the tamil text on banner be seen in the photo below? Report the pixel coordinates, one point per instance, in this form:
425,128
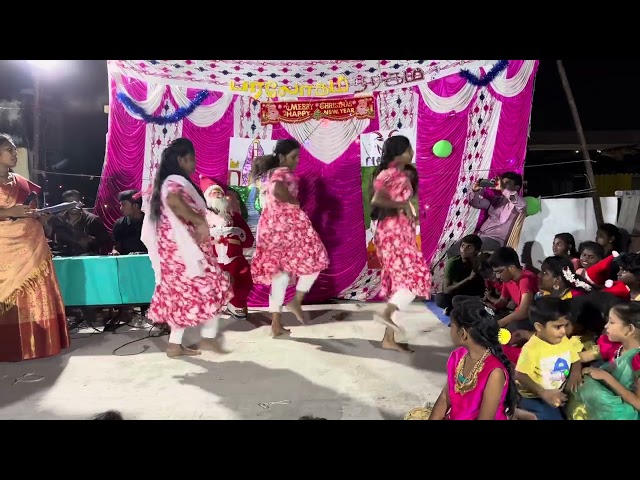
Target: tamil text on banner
298,112
371,144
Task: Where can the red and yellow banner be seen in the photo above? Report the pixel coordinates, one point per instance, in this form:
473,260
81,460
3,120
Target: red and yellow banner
298,112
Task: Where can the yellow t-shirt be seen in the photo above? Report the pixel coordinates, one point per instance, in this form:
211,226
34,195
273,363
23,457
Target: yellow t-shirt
547,364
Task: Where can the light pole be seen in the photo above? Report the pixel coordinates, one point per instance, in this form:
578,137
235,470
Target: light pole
39,67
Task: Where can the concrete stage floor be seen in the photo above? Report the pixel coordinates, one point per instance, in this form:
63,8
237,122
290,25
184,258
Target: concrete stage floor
332,368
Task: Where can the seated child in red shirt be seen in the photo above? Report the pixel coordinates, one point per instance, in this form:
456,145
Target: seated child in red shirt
518,285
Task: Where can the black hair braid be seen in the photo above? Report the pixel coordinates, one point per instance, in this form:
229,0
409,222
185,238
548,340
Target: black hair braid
487,336
393,147
483,329
262,165
169,166
557,266
266,163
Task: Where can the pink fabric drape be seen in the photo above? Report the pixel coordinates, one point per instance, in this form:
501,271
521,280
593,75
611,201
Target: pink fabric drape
211,143
331,194
438,176
124,159
511,145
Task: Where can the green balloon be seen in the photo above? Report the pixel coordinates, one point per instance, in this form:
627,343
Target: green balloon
533,205
442,149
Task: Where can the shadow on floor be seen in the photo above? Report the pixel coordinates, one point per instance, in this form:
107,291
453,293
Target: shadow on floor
48,369
243,386
257,319
424,357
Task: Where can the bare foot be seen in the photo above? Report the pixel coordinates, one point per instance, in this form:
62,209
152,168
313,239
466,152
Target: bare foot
388,323
279,332
174,350
212,345
393,345
295,307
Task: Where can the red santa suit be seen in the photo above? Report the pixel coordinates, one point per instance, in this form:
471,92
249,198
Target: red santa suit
230,235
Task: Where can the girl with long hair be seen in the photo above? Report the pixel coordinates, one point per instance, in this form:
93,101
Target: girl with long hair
32,319
558,278
191,289
612,392
480,378
287,243
405,274
564,245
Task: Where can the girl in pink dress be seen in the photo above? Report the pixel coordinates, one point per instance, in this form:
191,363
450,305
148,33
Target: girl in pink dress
480,381
287,243
191,289
405,274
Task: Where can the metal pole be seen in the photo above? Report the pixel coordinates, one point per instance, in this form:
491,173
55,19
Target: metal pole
36,126
597,206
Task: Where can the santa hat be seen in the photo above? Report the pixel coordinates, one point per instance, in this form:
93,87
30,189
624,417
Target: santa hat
599,273
617,288
207,185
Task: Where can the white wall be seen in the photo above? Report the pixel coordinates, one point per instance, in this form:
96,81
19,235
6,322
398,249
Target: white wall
560,215
22,168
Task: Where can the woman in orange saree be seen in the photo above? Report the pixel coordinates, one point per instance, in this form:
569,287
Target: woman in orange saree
32,318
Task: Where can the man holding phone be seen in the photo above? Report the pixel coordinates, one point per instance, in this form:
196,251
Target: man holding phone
501,199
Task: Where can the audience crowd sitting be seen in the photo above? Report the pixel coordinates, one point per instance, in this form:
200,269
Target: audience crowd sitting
569,338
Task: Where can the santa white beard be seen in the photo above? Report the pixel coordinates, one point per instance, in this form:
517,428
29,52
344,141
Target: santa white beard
220,208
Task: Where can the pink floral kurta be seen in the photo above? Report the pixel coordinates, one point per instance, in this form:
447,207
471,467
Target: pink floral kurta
395,240
287,242
179,300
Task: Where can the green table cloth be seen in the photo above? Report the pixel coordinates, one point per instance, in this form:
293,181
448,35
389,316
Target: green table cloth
105,280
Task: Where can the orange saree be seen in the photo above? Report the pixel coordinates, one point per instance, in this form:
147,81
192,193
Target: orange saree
32,319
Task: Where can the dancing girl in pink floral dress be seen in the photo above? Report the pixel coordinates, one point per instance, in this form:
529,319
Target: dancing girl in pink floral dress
191,289
287,243
405,274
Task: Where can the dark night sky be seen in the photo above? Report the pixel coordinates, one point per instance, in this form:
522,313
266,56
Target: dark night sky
79,87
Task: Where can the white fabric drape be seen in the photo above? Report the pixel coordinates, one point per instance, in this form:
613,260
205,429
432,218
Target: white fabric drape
324,139
455,103
204,115
516,84
155,92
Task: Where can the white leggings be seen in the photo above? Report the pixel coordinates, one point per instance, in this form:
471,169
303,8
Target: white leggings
208,329
279,285
402,298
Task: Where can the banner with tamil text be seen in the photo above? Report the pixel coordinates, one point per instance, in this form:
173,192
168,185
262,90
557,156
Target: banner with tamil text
298,112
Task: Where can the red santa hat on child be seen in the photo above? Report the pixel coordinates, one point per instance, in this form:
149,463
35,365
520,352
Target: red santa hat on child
599,273
207,185
617,288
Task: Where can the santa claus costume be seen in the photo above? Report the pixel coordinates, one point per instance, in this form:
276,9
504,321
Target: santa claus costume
287,243
230,235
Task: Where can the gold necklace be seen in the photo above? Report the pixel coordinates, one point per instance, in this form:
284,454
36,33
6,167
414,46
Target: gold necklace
464,385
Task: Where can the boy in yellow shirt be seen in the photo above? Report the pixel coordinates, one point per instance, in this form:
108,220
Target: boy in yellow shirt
549,361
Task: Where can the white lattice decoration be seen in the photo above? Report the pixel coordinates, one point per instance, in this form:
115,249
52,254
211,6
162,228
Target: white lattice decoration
365,287
397,108
476,161
247,119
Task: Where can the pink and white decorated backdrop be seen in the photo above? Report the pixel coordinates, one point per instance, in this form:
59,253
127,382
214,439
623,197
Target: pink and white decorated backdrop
487,126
